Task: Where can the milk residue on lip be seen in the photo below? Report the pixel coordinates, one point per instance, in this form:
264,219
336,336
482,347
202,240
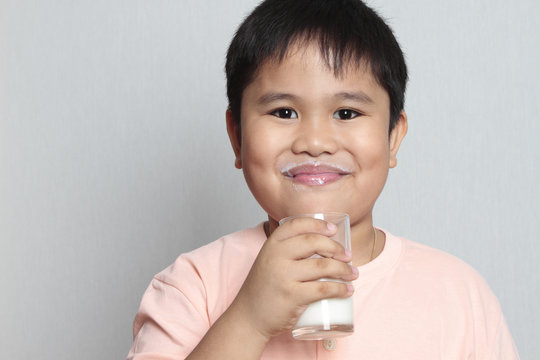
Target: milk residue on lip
292,170
288,167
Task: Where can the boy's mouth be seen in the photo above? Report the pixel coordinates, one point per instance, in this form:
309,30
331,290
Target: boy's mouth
314,173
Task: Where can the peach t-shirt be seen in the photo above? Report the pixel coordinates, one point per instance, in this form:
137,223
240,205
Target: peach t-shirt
411,302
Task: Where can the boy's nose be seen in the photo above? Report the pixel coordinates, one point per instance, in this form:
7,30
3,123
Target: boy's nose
315,136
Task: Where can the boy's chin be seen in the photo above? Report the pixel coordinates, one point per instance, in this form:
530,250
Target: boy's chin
316,207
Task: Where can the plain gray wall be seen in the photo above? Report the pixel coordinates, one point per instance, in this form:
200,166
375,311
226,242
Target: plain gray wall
114,157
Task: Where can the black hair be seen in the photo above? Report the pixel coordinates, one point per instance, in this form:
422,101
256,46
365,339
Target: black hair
347,32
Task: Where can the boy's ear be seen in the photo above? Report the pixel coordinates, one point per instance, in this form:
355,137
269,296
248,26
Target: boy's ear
396,136
233,130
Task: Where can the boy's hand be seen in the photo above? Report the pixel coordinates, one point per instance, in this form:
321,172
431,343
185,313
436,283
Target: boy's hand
283,279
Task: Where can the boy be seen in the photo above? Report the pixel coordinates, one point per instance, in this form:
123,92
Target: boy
316,94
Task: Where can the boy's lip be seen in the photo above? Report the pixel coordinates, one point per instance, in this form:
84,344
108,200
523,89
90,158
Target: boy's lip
314,173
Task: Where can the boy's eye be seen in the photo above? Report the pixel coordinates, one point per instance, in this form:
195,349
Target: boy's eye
346,114
285,113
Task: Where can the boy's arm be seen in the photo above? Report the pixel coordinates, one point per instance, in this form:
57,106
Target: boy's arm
171,322
231,337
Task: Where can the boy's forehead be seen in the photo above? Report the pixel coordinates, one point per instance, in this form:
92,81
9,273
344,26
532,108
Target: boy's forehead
304,53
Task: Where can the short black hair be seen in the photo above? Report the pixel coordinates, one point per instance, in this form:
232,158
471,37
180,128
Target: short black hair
347,32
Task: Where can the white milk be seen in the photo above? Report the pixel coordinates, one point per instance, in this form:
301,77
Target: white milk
327,312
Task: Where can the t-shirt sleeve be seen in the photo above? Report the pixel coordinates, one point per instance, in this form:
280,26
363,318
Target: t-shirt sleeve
503,346
170,321
493,340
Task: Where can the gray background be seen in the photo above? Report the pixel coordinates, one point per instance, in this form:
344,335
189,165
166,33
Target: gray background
114,157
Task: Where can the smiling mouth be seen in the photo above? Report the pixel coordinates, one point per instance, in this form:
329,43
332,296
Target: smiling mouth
314,173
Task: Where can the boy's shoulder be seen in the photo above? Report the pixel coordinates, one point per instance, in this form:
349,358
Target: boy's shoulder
232,253
427,256
235,245
429,264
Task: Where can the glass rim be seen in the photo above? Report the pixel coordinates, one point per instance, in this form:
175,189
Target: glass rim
316,215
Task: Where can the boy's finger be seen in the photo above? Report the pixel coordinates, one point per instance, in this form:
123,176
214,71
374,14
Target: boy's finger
317,268
312,291
304,225
306,245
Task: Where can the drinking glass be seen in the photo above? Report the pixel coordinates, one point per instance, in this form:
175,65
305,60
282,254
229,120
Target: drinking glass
327,318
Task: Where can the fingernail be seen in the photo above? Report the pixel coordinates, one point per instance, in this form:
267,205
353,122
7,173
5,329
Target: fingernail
331,226
348,253
354,270
350,289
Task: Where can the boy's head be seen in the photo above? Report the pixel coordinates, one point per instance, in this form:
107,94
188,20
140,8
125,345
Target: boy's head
347,32
316,93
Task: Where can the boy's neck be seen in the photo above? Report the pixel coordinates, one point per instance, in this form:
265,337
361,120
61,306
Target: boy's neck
367,242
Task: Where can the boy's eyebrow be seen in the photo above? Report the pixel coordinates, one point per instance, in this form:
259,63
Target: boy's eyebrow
357,96
271,97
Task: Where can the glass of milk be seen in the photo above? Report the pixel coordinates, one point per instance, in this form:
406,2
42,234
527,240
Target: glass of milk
327,318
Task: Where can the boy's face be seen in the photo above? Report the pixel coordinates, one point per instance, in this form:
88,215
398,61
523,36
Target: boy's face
311,142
